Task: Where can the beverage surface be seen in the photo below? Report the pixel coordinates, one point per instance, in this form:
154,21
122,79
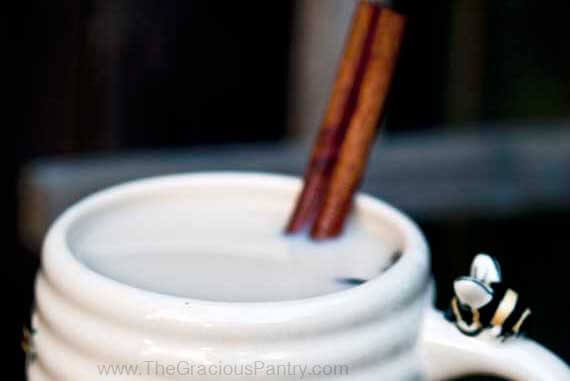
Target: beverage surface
227,251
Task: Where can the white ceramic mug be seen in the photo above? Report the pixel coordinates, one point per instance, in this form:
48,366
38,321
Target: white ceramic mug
383,329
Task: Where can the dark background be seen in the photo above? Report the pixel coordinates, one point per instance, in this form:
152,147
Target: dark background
107,76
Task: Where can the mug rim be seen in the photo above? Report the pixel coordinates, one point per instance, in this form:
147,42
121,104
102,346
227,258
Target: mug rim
69,276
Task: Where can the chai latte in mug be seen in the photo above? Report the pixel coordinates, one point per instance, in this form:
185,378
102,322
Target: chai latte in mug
233,250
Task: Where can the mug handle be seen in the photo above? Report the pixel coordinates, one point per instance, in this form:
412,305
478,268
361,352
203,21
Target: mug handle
448,353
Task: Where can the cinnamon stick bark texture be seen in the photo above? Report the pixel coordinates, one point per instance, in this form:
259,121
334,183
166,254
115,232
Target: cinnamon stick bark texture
336,119
355,108
355,149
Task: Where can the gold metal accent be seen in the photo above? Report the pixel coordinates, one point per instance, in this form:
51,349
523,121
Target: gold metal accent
517,326
505,308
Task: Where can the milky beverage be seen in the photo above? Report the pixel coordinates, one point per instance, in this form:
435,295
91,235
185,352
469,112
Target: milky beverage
187,246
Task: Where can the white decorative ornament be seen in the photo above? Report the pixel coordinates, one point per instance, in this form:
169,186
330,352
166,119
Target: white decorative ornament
486,269
472,292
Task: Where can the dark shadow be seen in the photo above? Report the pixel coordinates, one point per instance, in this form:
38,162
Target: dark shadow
479,378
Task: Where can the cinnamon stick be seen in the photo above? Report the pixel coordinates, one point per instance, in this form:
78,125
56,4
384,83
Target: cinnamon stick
336,118
355,148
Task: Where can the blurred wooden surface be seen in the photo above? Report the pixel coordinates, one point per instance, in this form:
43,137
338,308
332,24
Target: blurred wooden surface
497,173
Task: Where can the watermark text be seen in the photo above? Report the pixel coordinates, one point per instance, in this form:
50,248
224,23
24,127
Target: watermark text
152,368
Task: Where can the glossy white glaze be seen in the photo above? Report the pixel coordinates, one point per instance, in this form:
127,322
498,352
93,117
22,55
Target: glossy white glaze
85,319
448,353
